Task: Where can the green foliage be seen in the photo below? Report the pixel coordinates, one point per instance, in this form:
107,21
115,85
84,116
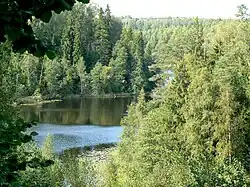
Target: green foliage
68,171
14,17
13,129
84,78
100,79
81,39
194,132
102,36
118,64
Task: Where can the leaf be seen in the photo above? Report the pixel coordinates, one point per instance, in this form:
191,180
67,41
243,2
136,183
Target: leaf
58,10
46,16
13,34
29,125
28,29
26,139
48,163
39,53
51,55
84,1
22,166
33,133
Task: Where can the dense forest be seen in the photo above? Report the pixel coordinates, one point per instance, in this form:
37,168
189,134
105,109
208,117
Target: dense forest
193,131
95,54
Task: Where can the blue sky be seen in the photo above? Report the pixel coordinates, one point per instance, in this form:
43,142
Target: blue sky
181,8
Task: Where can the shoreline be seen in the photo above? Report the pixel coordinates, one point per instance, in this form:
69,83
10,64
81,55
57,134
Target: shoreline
33,101
96,153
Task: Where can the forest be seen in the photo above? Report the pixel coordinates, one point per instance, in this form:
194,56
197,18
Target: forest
193,131
95,54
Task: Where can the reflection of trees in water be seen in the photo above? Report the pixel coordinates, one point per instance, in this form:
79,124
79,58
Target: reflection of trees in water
98,111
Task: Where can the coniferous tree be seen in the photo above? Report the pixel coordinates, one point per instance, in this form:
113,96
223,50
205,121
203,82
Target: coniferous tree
127,41
68,41
102,38
118,65
195,132
137,68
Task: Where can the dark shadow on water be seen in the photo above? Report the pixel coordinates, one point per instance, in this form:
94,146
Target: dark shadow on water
77,151
91,111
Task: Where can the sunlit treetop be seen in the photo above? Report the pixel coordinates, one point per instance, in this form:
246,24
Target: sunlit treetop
14,22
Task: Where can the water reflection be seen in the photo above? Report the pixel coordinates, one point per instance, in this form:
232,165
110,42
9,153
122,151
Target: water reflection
91,111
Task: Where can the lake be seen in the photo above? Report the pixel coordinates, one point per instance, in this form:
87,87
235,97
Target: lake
76,123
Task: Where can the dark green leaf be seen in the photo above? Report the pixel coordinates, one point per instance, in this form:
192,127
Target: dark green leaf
84,1
48,163
33,133
51,55
46,16
39,53
26,138
58,10
22,166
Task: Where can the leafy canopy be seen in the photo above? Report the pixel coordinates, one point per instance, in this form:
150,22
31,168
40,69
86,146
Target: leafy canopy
14,21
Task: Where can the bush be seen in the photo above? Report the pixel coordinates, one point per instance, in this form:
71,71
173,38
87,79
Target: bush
69,171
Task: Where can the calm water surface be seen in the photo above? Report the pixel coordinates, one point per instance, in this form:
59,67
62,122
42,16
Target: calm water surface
76,123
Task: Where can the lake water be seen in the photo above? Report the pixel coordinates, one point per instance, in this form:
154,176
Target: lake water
76,123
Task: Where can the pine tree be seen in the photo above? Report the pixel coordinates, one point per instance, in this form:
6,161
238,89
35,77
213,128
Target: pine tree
102,38
127,41
108,20
68,41
77,53
118,65
138,66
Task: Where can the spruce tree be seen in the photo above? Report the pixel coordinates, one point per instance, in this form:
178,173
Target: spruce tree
102,38
118,65
138,78
68,41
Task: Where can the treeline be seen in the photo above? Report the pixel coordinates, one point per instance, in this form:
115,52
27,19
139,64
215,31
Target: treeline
95,54
157,23
195,131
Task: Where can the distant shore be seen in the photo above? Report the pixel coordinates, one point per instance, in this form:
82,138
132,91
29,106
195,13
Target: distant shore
34,100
